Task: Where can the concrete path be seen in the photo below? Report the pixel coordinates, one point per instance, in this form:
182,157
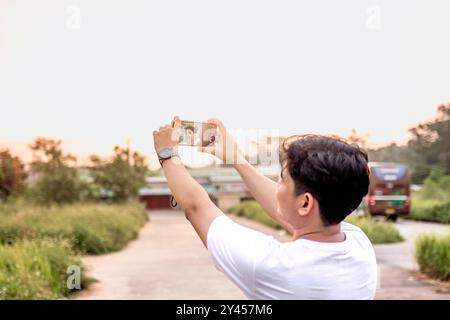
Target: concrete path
168,261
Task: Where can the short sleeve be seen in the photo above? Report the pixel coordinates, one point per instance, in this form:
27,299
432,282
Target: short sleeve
234,250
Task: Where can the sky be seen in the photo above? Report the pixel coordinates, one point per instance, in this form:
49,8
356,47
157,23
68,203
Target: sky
96,73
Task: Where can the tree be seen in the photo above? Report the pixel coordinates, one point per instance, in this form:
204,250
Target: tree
391,153
57,178
121,176
355,138
427,148
430,141
11,175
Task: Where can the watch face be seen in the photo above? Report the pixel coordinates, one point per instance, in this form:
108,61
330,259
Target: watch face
165,153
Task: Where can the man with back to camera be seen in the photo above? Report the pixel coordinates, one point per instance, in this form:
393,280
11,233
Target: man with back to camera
322,180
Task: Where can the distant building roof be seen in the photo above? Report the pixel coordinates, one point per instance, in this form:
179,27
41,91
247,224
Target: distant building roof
154,191
225,179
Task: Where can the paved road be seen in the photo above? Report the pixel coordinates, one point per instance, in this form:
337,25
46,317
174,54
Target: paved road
168,261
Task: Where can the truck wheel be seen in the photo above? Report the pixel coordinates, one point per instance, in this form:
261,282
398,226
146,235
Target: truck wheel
392,217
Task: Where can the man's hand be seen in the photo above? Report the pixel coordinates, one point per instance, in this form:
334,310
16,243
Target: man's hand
167,136
225,147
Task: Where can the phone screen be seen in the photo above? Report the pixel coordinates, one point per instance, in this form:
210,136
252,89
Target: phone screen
197,134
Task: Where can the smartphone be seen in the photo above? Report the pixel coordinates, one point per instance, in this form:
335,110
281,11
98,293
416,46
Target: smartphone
197,134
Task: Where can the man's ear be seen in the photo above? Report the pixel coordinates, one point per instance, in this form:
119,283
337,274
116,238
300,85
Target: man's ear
305,204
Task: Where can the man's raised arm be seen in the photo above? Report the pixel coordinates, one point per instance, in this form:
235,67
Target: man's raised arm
190,195
262,188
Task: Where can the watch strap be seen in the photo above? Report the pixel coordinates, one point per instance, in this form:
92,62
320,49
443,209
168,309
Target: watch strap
173,153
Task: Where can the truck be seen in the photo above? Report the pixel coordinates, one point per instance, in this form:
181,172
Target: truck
389,190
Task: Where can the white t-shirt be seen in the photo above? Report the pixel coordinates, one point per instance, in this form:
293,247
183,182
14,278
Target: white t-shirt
264,268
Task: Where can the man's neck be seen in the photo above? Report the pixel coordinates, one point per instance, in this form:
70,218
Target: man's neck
320,233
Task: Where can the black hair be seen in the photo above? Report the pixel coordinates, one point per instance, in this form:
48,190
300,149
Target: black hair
335,172
190,127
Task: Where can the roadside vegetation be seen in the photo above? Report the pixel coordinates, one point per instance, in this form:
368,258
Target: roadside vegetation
432,202
56,211
37,269
433,255
252,210
87,228
378,231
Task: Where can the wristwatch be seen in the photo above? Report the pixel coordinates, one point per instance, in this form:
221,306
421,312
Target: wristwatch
165,154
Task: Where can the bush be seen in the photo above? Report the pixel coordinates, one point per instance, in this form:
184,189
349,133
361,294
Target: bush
253,210
378,232
432,202
430,210
436,185
37,269
433,255
89,228
38,244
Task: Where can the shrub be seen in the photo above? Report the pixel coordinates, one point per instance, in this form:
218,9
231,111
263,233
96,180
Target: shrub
377,231
432,202
430,210
37,269
90,228
433,255
253,210
436,185
38,244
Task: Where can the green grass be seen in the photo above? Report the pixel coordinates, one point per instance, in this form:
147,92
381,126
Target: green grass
432,202
433,255
252,210
38,244
37,269
377,231
89,228
429,209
